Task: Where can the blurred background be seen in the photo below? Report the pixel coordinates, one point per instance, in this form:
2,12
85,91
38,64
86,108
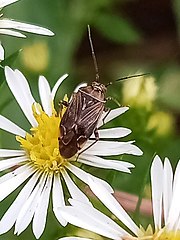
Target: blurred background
129,37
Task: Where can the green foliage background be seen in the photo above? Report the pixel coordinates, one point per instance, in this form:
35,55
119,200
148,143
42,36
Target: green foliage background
129,36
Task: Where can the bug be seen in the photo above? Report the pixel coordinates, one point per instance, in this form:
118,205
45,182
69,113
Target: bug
83,112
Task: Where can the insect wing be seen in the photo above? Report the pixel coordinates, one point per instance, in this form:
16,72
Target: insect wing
79,122
89,118
70,117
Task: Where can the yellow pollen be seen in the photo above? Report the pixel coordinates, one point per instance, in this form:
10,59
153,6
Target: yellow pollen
42,145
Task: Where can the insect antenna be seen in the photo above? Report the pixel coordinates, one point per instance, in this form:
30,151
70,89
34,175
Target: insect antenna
93,54
124,78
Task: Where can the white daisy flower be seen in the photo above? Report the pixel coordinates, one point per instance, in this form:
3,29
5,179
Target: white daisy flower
39,162
9,26
165,199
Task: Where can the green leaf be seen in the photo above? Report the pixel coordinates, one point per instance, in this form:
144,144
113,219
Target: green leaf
11,59
6,96
7,62
117,29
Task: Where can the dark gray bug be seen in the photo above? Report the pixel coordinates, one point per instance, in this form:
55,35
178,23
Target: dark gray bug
83,112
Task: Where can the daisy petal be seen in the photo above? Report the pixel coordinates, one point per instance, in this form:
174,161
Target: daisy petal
11,153
110,202
56,86
77,89
105,163
157,190
4,3
107,117
11,32
7,23
14,173
58,199
167,188
110,165
1,53
174,211
7,163
28,209
110,148
101,218
11,184
45,95
11,127
21,91
84,176
118,132
79,86
85,216
40,215
11,215
75,192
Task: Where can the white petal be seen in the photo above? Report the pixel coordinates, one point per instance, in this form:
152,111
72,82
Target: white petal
101,218
84,176
4,3
174,211
11,127
7,23
21,91
26,92
157,190
14,173
79,86
58,83
11,153
105,163
40,215
107,117
110,202
110,148
11,184
1,53
11,215
167,189
45,95
177,226
11,32
117,132
77,89
28,209
75,192
91,219
176,178
58,199
7,163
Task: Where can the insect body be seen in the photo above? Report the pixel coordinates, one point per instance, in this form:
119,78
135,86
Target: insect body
83,112
81,118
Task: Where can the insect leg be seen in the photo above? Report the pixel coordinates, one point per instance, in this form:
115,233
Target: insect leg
108,110
96,134
61,104
114,100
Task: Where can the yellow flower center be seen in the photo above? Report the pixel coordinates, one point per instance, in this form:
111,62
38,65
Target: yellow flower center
42,145
162,234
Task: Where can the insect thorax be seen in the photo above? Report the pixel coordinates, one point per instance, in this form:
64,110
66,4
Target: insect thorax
96,90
